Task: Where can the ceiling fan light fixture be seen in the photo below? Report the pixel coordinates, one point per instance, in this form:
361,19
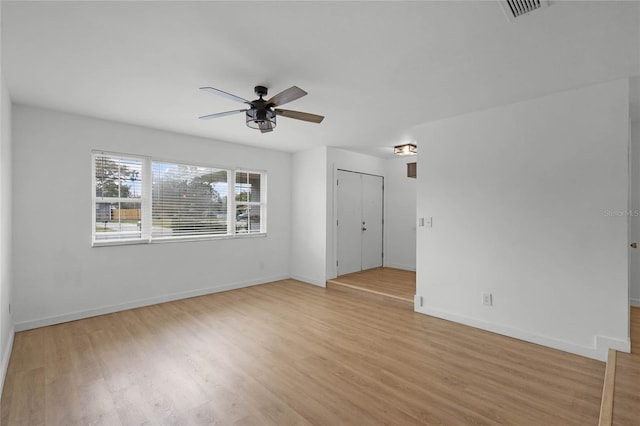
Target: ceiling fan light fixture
256,119
405,149
262,113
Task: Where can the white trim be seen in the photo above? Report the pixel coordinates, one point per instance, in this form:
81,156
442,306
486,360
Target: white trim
598,351
333,262
231,202
604,343
634,302
263,202
146,198
307,280
399,266
6,356
73,316
122,242
418,301
205,237
177,239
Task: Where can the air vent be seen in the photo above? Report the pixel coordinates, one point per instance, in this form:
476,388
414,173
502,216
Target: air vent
517,8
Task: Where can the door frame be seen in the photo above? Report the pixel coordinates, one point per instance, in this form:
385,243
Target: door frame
333,266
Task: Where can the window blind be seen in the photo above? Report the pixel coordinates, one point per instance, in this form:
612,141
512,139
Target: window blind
188,200
137,199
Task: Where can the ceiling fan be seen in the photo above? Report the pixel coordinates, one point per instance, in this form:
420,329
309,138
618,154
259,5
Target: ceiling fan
261,113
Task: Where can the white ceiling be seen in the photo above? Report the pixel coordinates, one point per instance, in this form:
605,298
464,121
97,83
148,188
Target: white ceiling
374,69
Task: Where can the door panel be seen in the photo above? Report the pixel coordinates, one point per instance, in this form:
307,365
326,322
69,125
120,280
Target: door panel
349,222
360,204
372,221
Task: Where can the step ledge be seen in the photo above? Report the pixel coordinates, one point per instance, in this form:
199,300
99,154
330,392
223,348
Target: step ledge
404,299
606,405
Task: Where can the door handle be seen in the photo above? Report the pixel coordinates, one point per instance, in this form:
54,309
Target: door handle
364,228
634,245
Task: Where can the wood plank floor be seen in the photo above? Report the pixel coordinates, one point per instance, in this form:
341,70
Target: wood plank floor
290,353
390,282
635,330
626,399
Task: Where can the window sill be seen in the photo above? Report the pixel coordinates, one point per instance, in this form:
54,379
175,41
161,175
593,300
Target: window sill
108,243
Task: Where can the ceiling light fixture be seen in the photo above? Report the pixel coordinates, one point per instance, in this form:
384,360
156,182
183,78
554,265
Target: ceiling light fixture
405,149
261,119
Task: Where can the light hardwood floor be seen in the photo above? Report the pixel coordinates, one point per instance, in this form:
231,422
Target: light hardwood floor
626,401
635,330
290,353
626,398
390,282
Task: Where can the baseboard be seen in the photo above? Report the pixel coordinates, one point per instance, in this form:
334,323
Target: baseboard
598,351
634,302
58,319
6,356
308,280
604,343
399,266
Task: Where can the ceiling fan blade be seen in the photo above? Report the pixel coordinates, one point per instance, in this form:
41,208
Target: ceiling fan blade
305,116
221,114
288,95
265,126
225,94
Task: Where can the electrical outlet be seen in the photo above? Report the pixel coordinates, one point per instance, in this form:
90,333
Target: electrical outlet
487,299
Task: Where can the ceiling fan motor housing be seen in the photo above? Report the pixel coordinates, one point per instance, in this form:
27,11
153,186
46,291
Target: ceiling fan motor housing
260,91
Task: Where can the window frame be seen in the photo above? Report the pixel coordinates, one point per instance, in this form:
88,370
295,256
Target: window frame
95,199
146,202
262,203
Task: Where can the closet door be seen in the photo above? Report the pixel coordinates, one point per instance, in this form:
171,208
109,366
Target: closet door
349,222
371,221
359,223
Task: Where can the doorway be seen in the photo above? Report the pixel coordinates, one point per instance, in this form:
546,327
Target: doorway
360,199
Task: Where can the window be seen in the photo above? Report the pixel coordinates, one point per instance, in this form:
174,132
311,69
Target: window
248,202
138,199
118,198
188,200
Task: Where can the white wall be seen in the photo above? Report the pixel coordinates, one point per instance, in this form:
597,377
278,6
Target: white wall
58,275
343,160
518,196
309,216
400,219
634,218
6,283
314,238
